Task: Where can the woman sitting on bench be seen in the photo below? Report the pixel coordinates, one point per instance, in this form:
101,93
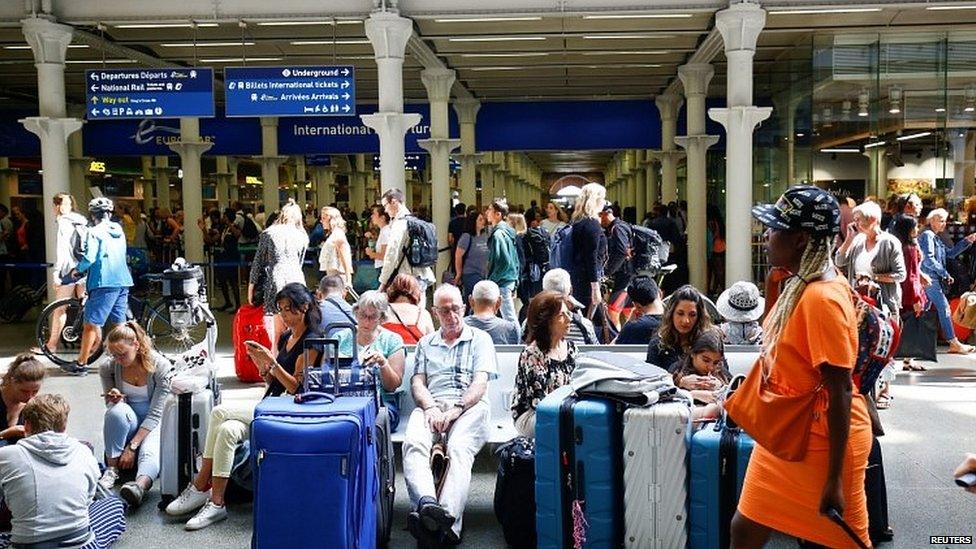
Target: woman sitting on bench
548,360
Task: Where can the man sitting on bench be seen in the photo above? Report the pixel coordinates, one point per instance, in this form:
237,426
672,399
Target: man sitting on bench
452,367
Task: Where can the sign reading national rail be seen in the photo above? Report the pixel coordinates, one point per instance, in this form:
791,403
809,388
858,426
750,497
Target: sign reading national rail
149,93
290,91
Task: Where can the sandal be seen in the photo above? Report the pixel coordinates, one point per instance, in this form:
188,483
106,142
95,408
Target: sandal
911,366
964,350
883,403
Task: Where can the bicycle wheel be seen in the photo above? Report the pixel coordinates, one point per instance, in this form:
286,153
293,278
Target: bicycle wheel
174,327
69,337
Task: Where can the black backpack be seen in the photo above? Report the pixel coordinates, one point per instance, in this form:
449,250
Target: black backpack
420,249
536,243
515,492
648,251
250,230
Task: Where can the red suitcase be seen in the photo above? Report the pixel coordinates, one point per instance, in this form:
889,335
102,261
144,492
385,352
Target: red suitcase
248,326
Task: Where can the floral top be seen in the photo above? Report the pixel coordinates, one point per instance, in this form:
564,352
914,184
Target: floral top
538,376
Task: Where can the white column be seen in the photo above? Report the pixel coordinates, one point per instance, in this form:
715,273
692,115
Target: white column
388,33
487,177
270,162
49,43
438,83
148,180
305,195
225,176
79,171
162,183
640,175
190,147
695,78
467,112
324,178
740,26
963,163
668,106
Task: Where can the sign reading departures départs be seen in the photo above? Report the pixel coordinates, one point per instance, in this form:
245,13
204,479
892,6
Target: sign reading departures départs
290,91
148,93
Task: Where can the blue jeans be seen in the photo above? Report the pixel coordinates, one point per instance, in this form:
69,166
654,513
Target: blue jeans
122,420
508,302
938,300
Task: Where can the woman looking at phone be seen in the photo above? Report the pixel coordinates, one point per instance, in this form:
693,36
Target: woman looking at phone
380,350
230,424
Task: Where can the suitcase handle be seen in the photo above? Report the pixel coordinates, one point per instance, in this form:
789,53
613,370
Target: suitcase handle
304,398
325,343
352,327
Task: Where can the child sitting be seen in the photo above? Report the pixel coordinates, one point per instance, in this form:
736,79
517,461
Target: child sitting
702,371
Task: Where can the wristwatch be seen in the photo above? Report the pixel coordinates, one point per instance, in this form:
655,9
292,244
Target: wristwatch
460,405
133,446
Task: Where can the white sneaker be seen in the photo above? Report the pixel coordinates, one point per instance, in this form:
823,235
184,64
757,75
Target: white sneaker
188,501
109,478
210,514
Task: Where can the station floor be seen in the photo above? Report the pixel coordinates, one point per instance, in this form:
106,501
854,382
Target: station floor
931,424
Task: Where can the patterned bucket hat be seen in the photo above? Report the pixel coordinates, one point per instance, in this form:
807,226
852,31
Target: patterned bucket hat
741,303
802,208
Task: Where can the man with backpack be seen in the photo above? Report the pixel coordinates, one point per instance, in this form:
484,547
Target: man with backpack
412,245
109,279
503,263
618,268
535,247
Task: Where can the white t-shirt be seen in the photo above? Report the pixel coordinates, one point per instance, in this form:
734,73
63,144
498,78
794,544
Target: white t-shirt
862,263
551,226
381,241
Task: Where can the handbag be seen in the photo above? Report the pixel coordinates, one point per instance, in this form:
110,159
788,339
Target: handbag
918,336
779,423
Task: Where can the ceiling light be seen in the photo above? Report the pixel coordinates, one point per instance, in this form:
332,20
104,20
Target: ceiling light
826,10
940,109
874,144
240,59
497,39
522,54
840,150
487,19
98,61
913,136
321,22
943,8
26,47
894,98
970,99
800,134
164,25
338,41
649,52
205,44
625,36
499,68
863,102
640,16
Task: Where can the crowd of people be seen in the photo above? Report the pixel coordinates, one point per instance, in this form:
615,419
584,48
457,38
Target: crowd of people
500,291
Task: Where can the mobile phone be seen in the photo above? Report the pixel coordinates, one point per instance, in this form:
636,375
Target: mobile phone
251,343
967,481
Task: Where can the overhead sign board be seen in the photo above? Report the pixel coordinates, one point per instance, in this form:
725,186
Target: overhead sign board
148,93
290,91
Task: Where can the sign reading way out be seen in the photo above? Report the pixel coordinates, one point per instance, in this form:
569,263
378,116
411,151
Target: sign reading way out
148,93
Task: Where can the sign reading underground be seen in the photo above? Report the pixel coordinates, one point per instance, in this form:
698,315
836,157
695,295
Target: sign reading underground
290,91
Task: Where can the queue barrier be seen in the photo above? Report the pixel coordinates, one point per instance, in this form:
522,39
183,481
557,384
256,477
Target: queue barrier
499,394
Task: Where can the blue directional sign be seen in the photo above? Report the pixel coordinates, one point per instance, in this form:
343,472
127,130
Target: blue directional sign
149,93
290,91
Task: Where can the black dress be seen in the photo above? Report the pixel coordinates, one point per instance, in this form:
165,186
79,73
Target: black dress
287,359
661,355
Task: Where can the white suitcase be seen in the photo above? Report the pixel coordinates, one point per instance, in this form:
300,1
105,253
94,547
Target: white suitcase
182,438
655,470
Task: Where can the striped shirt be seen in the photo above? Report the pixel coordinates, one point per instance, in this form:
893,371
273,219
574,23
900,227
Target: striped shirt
450,368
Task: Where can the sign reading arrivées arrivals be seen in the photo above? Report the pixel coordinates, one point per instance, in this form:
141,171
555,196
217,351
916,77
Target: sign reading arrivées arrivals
290,91
141,93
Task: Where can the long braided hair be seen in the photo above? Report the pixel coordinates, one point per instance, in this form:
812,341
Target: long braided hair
814,262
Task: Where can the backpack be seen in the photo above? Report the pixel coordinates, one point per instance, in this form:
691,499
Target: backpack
877,341
536,243
648,251
421,247
561,251
515,492
250,230
78,240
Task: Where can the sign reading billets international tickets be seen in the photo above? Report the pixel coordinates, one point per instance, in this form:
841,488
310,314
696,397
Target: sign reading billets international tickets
149,93
290,91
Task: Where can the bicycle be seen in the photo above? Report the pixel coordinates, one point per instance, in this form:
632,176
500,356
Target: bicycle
174,323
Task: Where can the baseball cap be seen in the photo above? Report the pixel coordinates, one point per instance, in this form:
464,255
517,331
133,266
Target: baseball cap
802,208
607,206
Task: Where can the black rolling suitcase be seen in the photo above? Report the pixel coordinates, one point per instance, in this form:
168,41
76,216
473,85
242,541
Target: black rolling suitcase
876,493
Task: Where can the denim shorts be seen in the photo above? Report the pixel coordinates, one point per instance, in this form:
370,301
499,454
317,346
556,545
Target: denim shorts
106,305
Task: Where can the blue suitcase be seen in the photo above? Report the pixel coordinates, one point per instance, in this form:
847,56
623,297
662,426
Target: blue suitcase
578,469
719,456
314,467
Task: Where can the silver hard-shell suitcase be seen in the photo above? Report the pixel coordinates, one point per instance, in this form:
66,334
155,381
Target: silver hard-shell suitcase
655,469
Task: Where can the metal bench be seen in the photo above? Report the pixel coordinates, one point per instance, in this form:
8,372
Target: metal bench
499,394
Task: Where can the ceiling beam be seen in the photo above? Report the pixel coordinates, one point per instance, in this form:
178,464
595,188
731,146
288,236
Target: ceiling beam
429,60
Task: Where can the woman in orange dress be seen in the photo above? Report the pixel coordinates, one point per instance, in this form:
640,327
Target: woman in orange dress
811,341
